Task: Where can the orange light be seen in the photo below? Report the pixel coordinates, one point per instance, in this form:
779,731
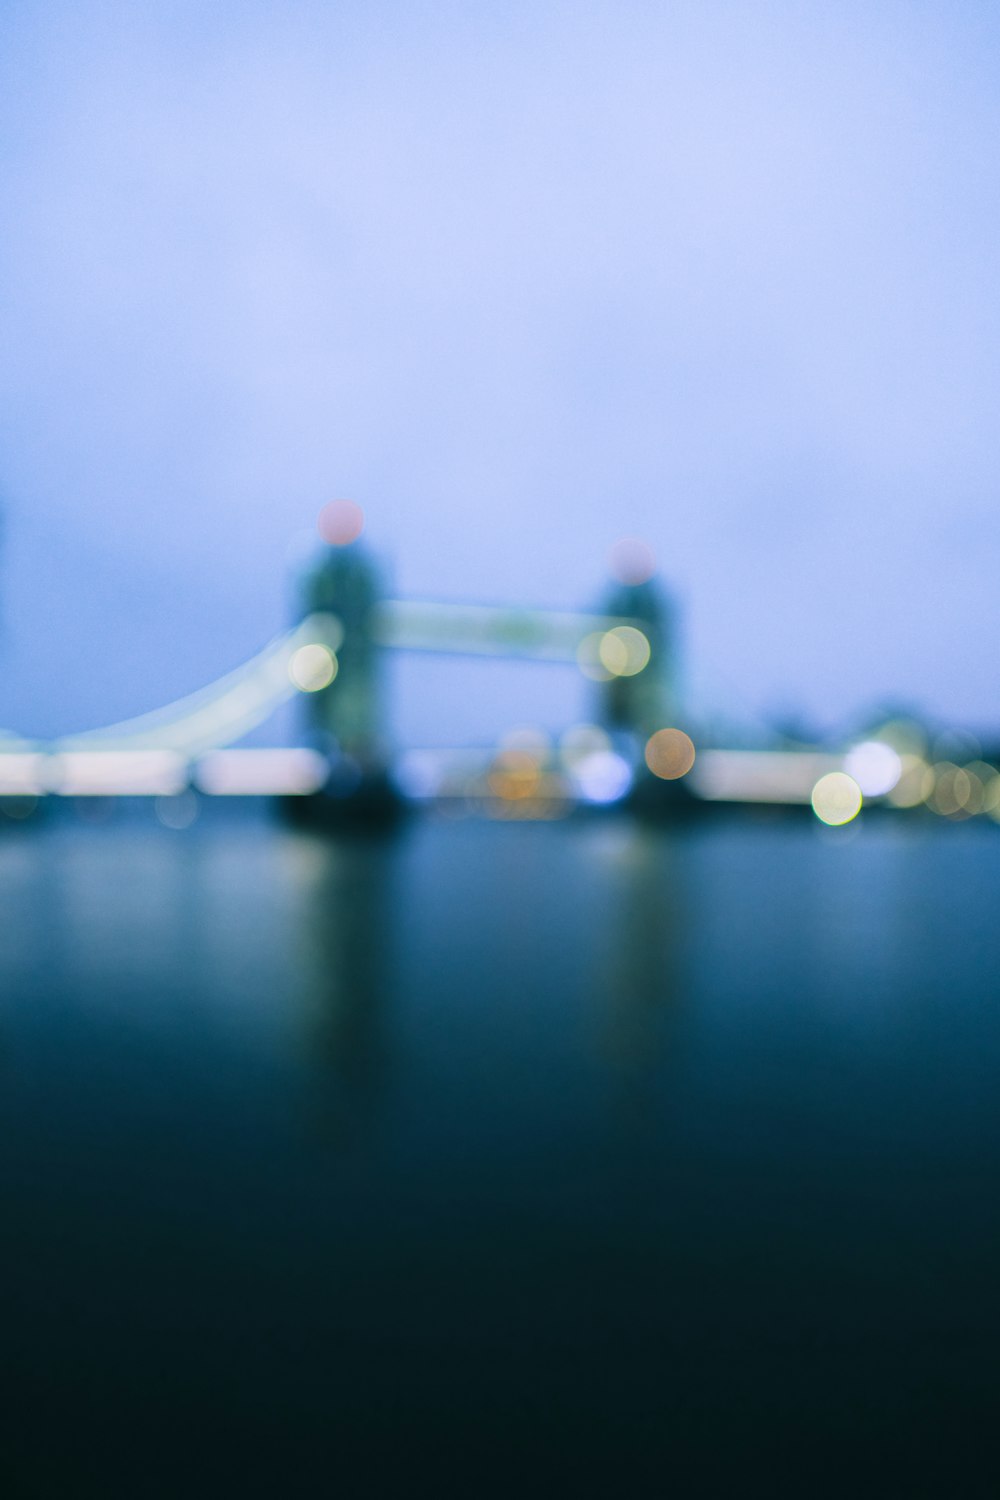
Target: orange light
670,754
515,774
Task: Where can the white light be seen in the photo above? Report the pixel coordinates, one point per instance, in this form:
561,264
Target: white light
22,775
875,766
768,776
602,777
262,773
118,773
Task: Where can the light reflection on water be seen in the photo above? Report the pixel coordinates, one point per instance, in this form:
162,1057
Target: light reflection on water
602,1145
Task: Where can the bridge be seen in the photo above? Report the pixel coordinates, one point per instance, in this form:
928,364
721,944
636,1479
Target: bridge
636,746
331,660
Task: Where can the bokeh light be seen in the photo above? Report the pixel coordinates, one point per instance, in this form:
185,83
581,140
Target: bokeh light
341,522
602,777
623,651
515,774
991,795
670,754
980,777
177,812
836,798
519,781
631,560
875,766
952,790
588,658
312,668
906,736
915,783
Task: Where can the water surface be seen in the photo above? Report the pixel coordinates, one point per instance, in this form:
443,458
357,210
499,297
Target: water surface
478,1158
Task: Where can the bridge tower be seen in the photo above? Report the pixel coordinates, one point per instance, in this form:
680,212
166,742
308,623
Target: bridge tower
638,702
345,715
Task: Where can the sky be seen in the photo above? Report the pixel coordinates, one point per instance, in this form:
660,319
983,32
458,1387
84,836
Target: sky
519,278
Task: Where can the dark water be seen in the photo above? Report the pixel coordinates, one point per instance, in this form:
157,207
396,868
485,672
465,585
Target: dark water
549,1159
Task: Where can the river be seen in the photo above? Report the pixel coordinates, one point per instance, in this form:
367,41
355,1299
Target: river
482,1158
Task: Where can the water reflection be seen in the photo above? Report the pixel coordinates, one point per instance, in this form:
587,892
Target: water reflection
346,952
638,985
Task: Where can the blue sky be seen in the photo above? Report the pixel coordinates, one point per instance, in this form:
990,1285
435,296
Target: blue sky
519,278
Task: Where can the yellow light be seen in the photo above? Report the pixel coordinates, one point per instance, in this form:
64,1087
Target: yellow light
991,795
915,784
836,798
980,775
623,651
515,775
952,790
670,754
963,791
312,668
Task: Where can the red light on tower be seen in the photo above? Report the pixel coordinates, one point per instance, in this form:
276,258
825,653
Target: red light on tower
341,522
632,560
